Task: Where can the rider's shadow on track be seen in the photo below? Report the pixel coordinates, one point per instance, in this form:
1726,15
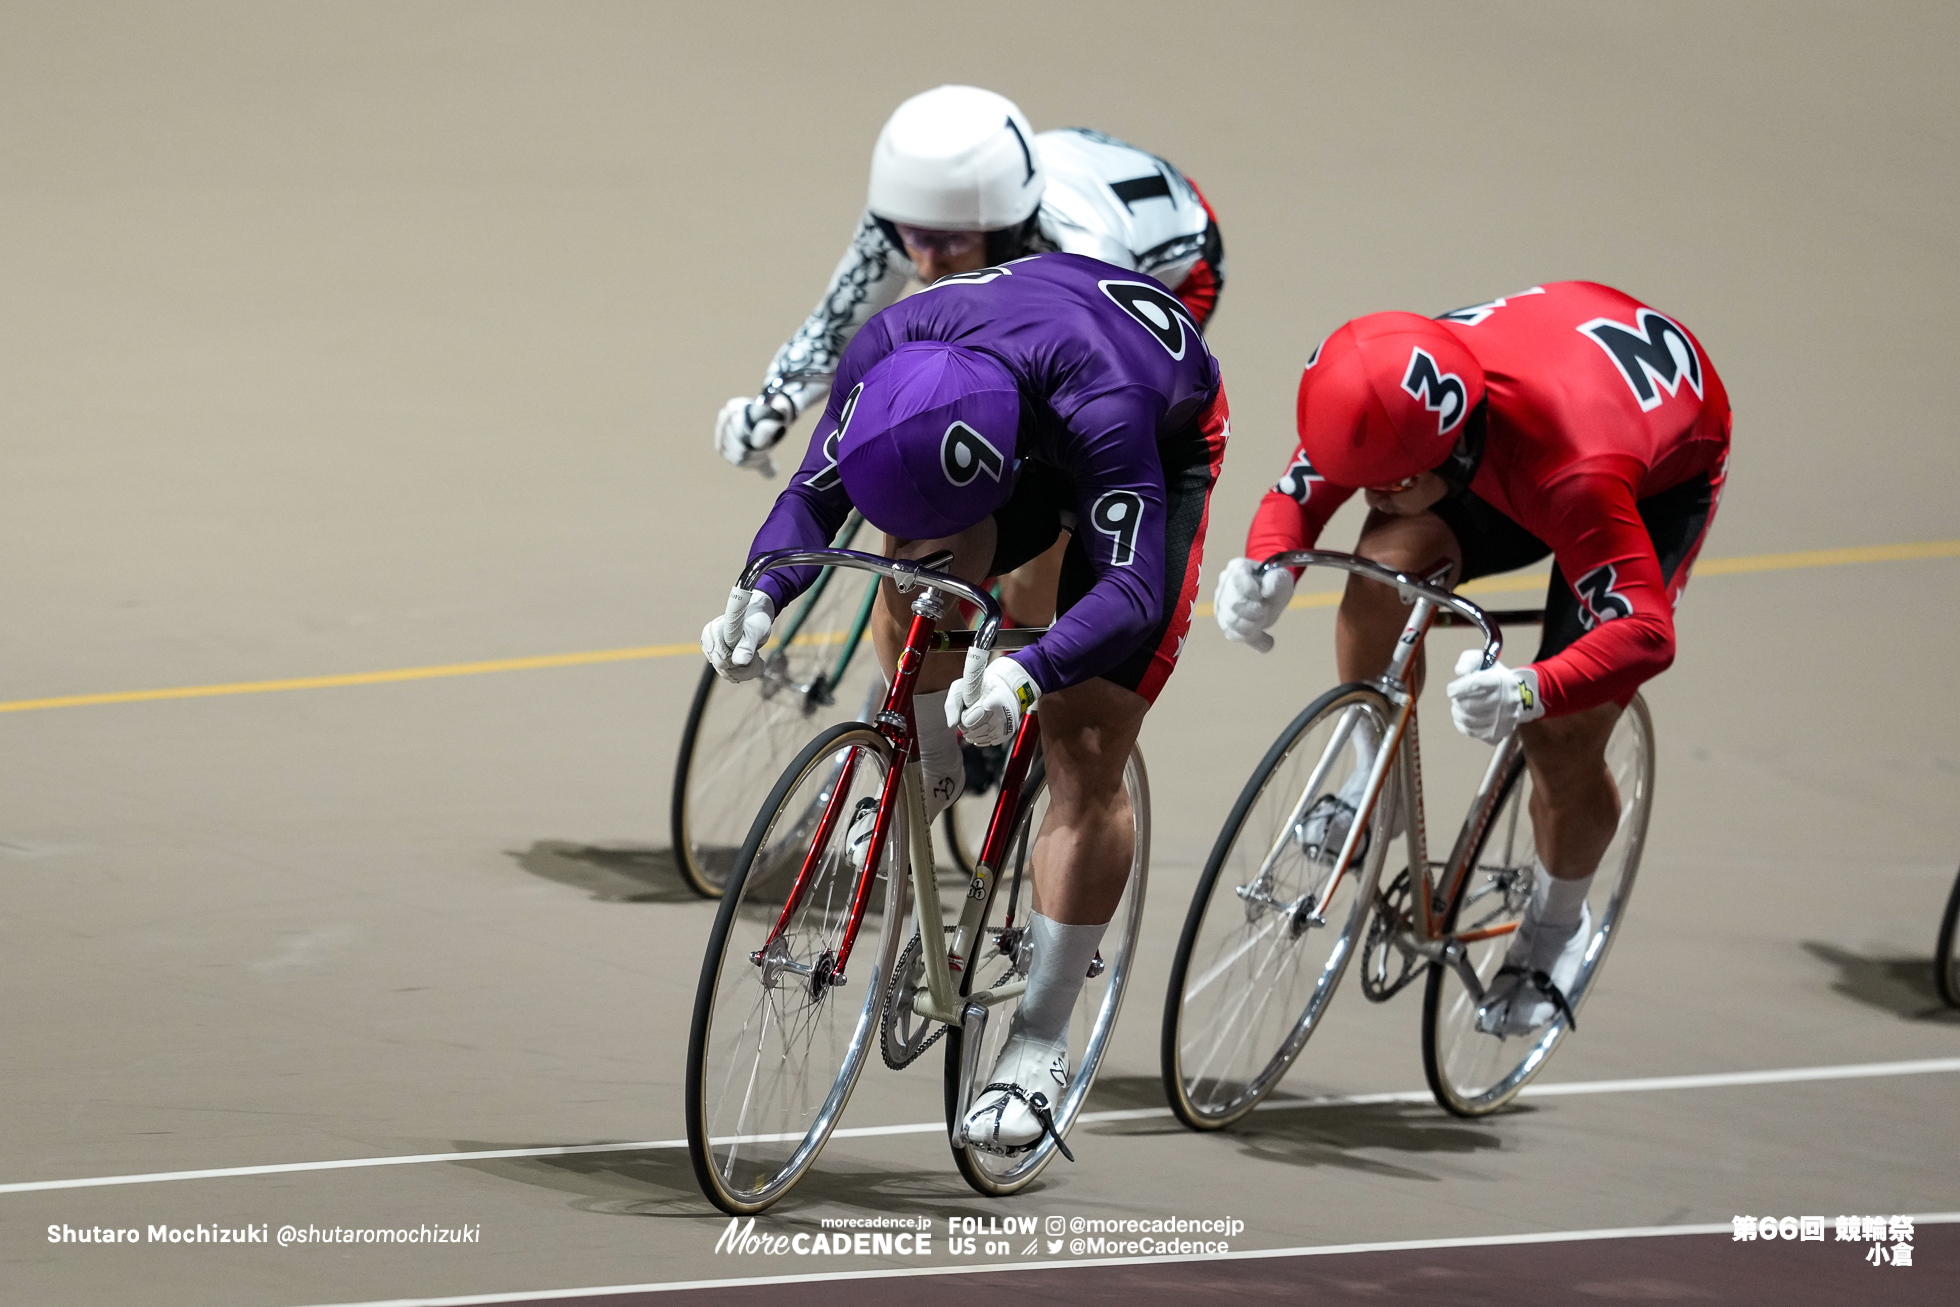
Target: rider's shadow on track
1902,986
1348,1136
627,873
659,1182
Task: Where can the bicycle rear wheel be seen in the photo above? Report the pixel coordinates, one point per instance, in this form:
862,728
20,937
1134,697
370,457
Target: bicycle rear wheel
999,959
738,737
1269,932
1946,954
1472,1071
776,1043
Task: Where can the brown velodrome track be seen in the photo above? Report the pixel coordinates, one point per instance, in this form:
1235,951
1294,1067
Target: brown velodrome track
355,337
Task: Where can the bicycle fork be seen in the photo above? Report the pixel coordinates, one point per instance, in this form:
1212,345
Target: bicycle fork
896,725
1390,754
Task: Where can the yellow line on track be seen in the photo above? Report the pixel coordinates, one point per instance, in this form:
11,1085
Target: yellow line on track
1806,558
361,678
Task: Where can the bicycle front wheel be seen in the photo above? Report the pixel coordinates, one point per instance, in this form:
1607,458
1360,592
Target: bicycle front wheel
738,737
778,1038
1472,1069
1270,929
1946,955
1000,958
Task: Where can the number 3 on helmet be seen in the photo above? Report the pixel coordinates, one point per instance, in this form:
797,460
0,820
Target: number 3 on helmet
1384,399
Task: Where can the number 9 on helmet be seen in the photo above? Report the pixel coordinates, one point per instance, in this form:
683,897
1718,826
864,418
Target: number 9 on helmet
928,443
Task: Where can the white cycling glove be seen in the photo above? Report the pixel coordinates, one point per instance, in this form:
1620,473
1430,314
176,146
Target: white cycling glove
748,427
1489,705
987,704
731,640
1246,603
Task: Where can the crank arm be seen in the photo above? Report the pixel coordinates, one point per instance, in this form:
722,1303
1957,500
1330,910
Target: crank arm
973,1033
1453,955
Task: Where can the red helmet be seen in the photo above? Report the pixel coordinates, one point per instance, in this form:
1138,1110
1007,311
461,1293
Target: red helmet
1384,399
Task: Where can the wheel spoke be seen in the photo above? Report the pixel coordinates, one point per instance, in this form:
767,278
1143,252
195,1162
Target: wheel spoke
1478,1056
771,1051
1270,930
1095,1011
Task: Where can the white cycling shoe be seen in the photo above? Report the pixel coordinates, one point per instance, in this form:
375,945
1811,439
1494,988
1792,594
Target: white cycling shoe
941,793
1538,973
857,836
1015,1109
1324,827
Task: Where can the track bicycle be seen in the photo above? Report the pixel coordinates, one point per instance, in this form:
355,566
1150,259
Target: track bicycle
816,671
817,955
1946,953
1289,895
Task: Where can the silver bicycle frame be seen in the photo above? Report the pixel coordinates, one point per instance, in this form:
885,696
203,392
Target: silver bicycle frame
1427,603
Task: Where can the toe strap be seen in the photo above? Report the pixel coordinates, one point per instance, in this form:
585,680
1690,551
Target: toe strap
1037,1105
1542,982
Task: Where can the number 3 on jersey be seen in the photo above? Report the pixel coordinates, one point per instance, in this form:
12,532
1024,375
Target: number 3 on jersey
1598,600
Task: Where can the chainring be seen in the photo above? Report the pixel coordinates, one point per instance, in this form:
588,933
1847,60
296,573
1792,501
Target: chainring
903,1035
1386,969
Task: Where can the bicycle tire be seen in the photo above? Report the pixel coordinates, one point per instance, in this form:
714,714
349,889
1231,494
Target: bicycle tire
1470,1071
770,1062
1096,1008
1946,953
1247,961
747,729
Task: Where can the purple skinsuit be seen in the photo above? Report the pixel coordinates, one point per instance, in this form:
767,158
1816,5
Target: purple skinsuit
1107,361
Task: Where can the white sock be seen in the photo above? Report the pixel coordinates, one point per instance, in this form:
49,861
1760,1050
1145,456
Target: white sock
1559,902
1366,745
1062,955
939,753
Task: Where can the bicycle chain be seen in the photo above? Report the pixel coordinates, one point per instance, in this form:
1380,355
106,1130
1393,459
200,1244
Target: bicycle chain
1392,916
894,991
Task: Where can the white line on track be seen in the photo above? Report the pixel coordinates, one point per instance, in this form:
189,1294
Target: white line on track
1717,1080
1324,1250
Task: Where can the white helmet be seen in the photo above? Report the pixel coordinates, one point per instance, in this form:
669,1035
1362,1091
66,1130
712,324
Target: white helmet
956,158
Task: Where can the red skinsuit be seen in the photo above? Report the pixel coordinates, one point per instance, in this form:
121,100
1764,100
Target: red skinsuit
1581,428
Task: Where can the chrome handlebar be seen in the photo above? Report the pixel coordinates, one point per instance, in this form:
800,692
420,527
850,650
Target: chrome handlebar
1408,587
906,573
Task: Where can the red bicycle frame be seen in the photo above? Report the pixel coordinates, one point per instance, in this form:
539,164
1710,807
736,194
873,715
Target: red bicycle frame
896,723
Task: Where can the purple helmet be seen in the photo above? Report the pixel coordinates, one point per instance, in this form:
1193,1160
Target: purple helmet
927,441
